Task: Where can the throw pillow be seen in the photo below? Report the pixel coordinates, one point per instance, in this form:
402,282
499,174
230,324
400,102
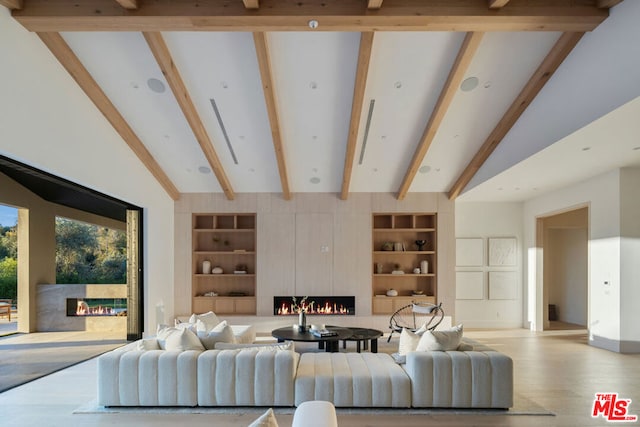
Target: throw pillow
445,340
209,318
268,419
408,342
220,333
272,347
178,339
146,344
465,347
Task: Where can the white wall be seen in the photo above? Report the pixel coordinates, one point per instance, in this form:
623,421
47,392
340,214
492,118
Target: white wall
629,261
602,195
484,220
55,127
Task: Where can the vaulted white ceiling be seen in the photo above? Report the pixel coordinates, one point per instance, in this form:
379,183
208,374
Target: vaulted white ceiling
314,76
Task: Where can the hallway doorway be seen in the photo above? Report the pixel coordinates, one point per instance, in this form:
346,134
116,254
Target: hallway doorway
566,266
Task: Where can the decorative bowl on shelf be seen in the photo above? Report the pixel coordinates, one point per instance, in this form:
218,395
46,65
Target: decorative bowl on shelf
417,292
392,293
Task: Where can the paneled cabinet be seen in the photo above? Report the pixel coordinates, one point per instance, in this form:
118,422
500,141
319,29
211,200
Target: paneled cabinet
225,242
402,243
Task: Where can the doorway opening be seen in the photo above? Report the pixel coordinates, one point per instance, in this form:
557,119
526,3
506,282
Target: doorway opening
565,241
8,269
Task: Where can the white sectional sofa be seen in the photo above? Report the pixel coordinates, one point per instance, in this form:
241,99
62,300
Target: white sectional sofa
268,377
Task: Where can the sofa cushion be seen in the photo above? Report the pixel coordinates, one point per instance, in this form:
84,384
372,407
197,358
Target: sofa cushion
128,377
246,377
445,340
221,333
352,380
460,379
170,338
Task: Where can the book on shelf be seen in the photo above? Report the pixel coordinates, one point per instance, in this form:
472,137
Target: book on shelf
323,333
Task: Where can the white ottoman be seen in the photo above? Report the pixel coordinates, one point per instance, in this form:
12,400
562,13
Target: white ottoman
352,380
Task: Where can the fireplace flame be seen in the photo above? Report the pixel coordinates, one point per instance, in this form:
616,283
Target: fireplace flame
83,309
327,308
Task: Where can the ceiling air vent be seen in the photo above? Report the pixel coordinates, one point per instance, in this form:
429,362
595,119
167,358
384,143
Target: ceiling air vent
224,130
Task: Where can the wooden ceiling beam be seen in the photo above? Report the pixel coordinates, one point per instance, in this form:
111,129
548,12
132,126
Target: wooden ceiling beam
497,4
362,71
607,4
332,15
264,63
465,55
169,70
61,50
251,4
540,77
128,4
12,4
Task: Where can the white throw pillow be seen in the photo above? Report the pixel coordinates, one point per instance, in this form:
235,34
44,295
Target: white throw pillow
445,340
284,346
268,419
408,342
220,333
209,318
146,344
178,339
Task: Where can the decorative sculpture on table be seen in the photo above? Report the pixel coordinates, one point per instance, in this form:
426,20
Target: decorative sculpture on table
420,244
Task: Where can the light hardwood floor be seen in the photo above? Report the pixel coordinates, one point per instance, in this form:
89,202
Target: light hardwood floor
555,369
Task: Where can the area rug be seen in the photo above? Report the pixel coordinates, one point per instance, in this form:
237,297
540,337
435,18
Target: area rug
24,358
522,406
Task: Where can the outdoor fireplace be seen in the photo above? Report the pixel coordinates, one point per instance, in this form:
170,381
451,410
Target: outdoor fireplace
320,305
83,307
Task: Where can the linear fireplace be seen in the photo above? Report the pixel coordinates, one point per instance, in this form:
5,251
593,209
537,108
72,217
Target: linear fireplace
77,307
323,305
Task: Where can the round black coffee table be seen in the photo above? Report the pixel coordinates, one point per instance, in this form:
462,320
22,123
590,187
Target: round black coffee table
329,343
364,335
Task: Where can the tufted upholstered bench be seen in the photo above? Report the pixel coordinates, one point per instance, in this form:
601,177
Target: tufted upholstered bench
352,380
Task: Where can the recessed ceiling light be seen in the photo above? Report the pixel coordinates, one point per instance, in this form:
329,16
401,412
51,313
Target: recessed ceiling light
252,170
315,169
313,85
487,85
383,137
134,85
315,180
156,85
586,148
204,169
314,137
469,84
424,169
397,84
313,24
224,85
